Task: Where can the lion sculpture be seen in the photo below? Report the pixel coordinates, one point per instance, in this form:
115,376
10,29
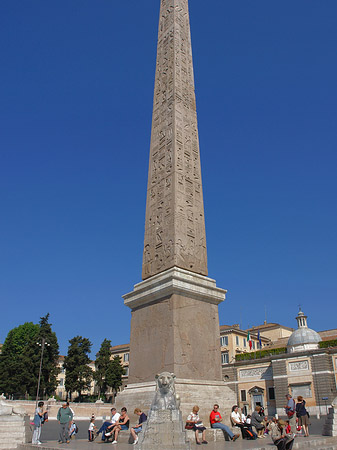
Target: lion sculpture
165,396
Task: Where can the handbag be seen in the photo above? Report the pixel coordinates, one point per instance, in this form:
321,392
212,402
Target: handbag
189,425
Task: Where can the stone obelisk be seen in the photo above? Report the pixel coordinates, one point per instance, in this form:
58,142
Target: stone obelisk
175,322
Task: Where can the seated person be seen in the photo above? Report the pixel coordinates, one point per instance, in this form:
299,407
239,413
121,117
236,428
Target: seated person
138,428
109,423
215,419
257,421
198,426
282,440
122,424
236,420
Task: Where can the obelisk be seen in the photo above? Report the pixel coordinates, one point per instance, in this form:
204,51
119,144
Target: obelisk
175,322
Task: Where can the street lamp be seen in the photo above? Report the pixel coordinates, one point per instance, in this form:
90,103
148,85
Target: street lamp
42,344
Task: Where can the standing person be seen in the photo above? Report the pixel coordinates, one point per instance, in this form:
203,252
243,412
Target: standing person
215,419
302,414
198,426
290,409
65,417
257,421
38,416
138,428
91,430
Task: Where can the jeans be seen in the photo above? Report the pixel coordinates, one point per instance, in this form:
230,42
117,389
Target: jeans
223,427
103,429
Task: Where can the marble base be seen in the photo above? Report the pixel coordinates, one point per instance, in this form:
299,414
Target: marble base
192,392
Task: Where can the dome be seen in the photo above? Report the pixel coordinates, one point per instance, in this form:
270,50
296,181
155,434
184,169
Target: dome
303,338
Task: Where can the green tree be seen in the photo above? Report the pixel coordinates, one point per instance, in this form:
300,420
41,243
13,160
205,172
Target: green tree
114,373
20,360
76,364
16,367
102,362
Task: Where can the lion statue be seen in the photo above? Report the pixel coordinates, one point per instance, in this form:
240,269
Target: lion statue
165,396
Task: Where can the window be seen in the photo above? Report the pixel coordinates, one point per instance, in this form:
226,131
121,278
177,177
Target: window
301,389
126,370
61,380
243,396
224,358
126,357
237,341
224,341
253,343
244,342
271,393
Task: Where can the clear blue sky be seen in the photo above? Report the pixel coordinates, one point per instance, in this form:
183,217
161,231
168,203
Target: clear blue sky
76,88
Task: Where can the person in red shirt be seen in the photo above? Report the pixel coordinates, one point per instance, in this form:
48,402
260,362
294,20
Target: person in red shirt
215,419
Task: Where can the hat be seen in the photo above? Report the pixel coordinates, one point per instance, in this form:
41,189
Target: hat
282,423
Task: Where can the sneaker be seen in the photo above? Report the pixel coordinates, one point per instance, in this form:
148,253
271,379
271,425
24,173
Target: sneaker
198,443
204,442
107,434
114,442
235,437
135,441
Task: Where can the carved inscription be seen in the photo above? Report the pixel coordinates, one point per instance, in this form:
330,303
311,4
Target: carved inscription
174,224
298,365
259,372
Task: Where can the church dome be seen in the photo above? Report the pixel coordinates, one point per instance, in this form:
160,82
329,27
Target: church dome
303,338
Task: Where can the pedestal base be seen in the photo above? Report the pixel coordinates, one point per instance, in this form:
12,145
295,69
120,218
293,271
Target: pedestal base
164,430
192,392
175,327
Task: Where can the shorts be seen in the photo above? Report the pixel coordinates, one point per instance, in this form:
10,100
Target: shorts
137,430
124,427
201,428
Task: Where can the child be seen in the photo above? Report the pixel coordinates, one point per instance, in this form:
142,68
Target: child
73,430
92,430
288,427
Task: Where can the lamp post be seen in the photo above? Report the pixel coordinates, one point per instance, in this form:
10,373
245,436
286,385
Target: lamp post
42,344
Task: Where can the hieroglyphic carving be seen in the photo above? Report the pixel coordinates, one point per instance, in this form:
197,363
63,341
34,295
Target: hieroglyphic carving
174,227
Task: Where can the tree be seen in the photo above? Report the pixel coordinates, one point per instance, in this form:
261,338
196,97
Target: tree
20,360
114,373
76,364
16,367
102,362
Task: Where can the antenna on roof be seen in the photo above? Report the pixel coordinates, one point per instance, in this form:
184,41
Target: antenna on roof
240,326
265,315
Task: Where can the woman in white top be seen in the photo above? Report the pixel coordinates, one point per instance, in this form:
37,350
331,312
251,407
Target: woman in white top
236,419
198,426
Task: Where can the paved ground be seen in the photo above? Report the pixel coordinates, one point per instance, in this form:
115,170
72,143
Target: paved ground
49,439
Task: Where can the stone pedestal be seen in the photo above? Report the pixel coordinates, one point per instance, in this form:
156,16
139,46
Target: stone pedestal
164,430
203,393
175,327
14,430
330,425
